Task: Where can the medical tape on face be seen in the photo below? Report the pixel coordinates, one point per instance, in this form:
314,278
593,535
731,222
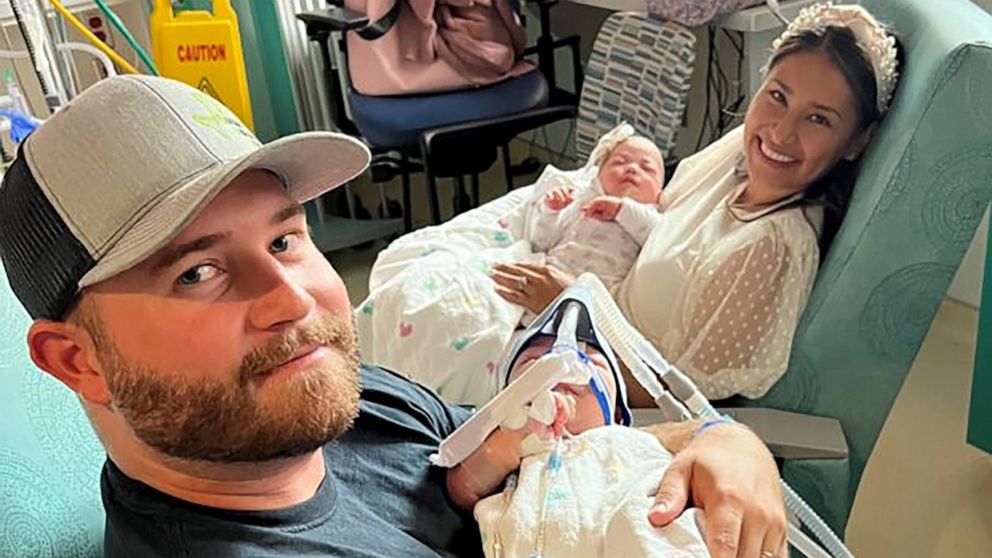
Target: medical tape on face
540,377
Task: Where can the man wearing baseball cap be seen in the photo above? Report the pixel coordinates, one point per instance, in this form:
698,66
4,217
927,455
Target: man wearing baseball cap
163,254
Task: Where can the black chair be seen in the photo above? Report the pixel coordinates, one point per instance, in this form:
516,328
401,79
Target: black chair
445,135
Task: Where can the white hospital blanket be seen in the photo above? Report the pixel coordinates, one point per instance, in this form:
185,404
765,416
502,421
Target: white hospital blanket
433,314
597,501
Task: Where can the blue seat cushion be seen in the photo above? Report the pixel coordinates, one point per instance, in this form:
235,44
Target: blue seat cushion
399,121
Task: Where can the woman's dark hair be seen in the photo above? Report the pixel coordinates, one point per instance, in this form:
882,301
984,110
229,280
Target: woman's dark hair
832,191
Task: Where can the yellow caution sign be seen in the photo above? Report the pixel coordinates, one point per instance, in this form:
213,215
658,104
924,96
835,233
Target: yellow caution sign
203,50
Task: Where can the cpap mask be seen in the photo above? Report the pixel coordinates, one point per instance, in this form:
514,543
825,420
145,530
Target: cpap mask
585,314
569,320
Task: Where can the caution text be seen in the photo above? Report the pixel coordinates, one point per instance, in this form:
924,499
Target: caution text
202,53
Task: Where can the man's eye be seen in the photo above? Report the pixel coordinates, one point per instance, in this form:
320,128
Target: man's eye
283,243
198,274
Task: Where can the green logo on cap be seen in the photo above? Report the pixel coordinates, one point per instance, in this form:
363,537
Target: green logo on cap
217,119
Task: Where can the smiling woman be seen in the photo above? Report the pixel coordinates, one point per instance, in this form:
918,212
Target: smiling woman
724,276
747,218
808,125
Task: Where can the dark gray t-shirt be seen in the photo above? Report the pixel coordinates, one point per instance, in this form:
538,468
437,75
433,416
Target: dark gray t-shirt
380,498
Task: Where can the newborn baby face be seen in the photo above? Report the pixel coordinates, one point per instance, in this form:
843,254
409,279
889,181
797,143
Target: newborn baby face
634,169
587,412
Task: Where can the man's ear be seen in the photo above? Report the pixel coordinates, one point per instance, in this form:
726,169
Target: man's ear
860,143
67,352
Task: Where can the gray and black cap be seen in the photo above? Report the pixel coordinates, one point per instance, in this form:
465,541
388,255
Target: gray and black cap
115,175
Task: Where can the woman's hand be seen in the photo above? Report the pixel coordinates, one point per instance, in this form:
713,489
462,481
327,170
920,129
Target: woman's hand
532,286
603,208
732,477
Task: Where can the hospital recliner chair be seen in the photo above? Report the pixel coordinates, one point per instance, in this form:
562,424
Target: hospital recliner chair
924,185
50,458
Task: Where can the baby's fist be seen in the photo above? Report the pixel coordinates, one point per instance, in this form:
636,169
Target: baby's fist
603,208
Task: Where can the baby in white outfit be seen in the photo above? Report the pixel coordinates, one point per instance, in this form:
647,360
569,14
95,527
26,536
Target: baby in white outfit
596,224
584,494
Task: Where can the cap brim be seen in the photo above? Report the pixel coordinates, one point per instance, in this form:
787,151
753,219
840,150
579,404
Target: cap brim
308,164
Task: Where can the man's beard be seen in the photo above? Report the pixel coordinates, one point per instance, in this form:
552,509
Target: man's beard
226,422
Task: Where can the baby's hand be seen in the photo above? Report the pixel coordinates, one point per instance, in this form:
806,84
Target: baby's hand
603,208
559,197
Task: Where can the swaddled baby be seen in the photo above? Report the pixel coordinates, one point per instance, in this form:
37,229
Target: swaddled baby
597,220
581,486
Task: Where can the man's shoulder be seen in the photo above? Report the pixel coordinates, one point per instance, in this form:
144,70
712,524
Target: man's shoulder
387,393
378,381
378,377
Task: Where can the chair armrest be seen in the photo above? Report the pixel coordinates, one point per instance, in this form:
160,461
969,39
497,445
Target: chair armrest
788,435
334,19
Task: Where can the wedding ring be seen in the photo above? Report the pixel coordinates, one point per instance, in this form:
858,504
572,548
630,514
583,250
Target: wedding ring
521,283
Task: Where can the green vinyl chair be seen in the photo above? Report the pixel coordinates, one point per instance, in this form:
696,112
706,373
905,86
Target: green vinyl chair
50,458
924,186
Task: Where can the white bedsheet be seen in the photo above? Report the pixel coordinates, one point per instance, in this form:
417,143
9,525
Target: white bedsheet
432,312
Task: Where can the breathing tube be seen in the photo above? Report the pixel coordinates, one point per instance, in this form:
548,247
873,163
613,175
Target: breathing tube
568,353
569,320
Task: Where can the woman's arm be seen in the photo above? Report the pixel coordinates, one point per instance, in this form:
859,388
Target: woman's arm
735,326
